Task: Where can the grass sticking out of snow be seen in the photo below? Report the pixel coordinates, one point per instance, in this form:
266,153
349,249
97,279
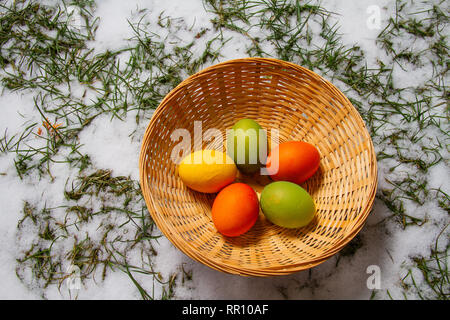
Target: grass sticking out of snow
98,220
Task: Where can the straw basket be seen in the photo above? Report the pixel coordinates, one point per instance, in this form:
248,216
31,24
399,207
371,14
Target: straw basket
302,106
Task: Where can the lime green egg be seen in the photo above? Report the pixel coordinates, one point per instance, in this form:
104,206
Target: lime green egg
286,204
244,143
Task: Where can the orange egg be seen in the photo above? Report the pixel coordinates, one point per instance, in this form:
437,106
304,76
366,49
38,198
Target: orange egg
235,209
297,161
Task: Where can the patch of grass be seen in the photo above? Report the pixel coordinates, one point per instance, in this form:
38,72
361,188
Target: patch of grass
122,232
435,284
46,54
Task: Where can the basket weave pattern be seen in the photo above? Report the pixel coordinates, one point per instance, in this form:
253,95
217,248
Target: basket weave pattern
302,106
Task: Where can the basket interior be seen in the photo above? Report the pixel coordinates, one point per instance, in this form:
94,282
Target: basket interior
302,106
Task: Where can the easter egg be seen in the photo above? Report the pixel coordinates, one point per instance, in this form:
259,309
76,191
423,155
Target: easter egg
286,204
294,161
207,170
244,142
235,209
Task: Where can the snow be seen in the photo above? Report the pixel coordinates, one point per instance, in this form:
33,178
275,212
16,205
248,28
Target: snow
439,177
11,199
114,144
107,147
353,20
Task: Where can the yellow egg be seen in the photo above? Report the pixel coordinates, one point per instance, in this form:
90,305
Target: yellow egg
207,171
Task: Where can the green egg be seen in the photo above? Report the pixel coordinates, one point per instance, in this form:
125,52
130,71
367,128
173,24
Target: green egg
286,204
244,143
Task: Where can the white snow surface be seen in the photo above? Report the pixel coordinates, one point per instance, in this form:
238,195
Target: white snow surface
115,144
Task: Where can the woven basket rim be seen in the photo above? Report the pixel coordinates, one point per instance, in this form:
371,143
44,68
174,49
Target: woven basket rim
217,263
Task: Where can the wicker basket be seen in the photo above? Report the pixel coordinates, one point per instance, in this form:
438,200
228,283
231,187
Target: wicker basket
302,106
